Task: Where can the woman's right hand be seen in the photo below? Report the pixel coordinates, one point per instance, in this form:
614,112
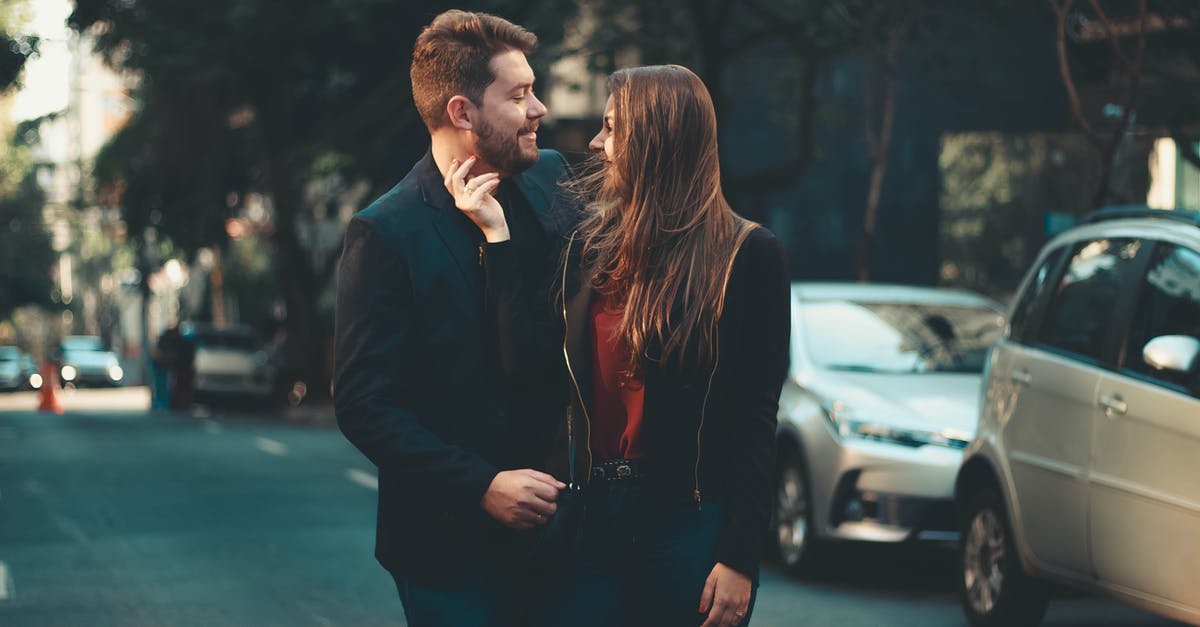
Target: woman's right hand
473,196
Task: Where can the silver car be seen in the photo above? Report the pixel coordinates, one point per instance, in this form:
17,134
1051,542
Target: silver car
881,399
230,364
86,361
1084,468
12,375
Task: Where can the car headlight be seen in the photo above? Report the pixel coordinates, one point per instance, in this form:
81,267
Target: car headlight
35,381
847,424
115,373
69,373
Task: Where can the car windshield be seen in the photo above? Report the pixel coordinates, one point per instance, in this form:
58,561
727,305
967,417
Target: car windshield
82,343
899,337
226,341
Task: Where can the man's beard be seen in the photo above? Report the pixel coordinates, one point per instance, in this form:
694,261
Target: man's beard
505,153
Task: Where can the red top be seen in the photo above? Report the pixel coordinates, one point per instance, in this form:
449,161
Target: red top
616,404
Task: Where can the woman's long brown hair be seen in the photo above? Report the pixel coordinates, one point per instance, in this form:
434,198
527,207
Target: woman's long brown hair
659,235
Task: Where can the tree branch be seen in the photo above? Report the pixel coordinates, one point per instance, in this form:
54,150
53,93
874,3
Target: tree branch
1064,69
1112,32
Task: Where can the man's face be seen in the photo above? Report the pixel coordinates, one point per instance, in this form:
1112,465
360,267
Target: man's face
506,131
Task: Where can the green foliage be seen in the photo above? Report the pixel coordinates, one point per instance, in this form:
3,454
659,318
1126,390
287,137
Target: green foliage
26,256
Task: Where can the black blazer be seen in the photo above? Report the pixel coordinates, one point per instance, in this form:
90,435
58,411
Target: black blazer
417,385
708,429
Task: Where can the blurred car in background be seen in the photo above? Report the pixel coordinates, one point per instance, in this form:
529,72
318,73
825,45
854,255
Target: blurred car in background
85,361
230,364
881,399
29,372
1084,465
12,375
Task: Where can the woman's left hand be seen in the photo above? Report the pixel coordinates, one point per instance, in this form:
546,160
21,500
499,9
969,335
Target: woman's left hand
726,597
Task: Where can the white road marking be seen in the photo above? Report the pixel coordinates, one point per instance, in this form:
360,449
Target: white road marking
365,479
6,584
212,427
267,445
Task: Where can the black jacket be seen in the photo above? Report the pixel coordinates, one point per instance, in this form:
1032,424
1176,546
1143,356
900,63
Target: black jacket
708,429
417,382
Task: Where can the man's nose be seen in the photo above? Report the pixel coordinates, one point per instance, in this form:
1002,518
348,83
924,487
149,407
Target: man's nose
537,109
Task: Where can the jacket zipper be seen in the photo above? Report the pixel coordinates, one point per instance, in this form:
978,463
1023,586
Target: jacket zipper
570,371
703,410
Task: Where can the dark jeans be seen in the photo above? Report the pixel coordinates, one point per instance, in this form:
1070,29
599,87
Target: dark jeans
486,597
643,564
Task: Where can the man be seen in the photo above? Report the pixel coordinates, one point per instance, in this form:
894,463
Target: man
418,384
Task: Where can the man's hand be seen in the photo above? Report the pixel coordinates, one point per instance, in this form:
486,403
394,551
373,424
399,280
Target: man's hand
473,197
522,499
727,595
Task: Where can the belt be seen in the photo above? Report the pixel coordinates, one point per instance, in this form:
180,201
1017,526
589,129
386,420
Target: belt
618,470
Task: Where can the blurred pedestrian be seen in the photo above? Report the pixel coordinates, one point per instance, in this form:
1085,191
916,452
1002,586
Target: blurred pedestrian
161,357
418,384
677,321
183,373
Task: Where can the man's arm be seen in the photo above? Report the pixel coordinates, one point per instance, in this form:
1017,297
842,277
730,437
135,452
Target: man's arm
373,374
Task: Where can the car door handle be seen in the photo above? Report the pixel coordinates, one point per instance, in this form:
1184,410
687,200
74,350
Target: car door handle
1021,376
1113,405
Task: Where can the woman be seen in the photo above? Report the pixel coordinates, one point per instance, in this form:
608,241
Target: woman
676,314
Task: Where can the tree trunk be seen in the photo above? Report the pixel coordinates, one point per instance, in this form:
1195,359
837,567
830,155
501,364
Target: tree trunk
305,342
878,146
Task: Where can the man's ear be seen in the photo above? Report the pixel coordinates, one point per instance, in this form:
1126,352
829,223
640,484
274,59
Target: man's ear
461,111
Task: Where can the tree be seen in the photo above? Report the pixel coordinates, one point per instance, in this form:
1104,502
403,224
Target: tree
25,253
1140,65
26,257
235,98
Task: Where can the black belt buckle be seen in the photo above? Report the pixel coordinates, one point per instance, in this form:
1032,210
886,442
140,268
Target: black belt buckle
616,469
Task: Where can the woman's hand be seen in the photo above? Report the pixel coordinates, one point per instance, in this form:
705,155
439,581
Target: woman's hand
726,597
473,196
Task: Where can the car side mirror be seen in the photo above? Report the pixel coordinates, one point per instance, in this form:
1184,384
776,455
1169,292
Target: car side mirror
1177,353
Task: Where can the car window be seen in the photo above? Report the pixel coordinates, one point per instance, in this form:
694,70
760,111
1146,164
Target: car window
82,343
1168,304
899,337
1022,312
1083,304
8,353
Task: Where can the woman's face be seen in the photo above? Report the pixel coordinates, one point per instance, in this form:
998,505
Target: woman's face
602,143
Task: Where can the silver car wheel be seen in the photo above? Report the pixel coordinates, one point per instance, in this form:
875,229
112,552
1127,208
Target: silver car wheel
983,549
792,514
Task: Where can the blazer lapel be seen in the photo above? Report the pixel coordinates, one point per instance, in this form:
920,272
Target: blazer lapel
461,237
543,196
576,308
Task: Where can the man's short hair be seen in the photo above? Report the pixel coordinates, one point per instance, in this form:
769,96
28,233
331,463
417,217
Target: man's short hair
453,56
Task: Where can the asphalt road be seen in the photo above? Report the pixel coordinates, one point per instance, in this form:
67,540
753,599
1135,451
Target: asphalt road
111,515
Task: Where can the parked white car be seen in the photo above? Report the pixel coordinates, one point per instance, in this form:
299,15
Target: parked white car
1084,468
881,399
12,375
86,361
230,364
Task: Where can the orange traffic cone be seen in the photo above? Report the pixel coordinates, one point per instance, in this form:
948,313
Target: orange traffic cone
49,391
